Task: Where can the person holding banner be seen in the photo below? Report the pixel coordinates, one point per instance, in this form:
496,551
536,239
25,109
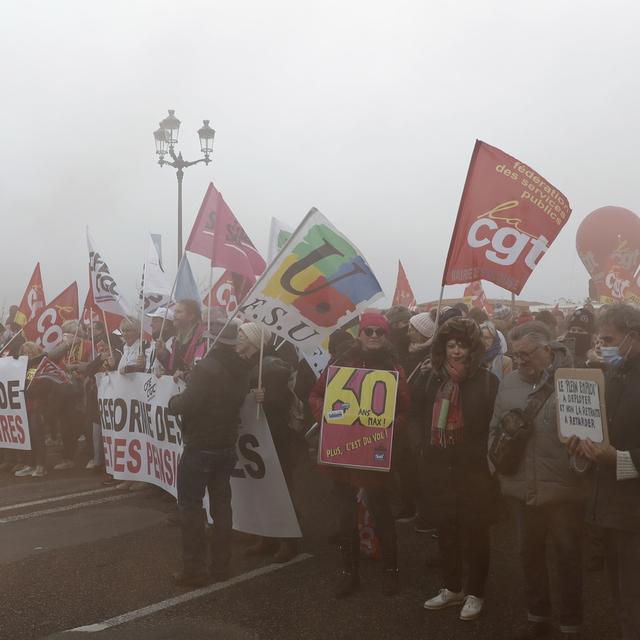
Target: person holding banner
459,495
615,504
210,409
189,344
372,350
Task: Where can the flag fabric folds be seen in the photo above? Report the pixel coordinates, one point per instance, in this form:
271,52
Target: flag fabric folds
33,299
319,281
186,287
404,294
508,217
279,233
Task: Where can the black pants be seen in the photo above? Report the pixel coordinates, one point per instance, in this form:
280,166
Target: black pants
383,522
622,555
562,523
198,470
460,544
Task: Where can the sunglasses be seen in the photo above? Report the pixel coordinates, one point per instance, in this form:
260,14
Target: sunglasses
370,332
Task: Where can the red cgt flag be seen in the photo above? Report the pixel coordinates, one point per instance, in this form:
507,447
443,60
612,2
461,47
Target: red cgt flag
508,217
475,297
201,237
223,294
32,300
404,294
46,328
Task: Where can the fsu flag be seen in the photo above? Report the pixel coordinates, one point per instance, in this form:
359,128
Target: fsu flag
509,215
46,328
104,288
32,300
201,237
474,296
404,294
223,294
319,282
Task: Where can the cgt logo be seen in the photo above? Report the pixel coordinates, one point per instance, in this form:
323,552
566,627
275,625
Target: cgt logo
150,387
505,244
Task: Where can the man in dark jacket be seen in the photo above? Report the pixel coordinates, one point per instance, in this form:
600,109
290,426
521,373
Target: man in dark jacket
210,409
615,504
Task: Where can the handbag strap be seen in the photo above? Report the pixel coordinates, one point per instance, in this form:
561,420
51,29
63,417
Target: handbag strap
538,399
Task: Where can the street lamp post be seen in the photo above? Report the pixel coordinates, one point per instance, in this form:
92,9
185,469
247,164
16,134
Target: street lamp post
166,137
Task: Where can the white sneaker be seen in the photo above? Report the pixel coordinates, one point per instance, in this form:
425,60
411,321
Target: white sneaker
25,471
39,472
64,465
472,608
92,464
444,599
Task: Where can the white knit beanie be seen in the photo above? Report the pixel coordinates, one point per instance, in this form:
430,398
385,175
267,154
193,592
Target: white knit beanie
253,330
423,324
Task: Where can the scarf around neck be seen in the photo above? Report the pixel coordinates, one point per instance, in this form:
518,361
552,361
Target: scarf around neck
447,422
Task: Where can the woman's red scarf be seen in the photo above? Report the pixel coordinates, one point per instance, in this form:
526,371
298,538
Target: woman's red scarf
447,422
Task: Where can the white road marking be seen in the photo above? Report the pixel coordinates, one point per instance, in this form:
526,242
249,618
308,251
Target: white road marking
67,496
66,507
186,597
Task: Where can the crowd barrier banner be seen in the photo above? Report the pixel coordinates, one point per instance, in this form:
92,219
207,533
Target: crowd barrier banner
14,424
143,442
358,418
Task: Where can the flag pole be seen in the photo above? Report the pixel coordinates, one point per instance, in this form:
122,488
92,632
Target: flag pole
260,368
106,328
209,305
73,343
12,339
164,319
513,305
142,306
93,342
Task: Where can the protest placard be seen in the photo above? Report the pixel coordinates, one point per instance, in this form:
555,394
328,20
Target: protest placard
143,442
580,405
14,424
358,418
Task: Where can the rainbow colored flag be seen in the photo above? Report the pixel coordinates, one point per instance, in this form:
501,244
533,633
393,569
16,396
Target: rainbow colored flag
318,282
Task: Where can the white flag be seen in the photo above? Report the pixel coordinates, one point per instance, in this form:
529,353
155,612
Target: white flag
278,236
156,286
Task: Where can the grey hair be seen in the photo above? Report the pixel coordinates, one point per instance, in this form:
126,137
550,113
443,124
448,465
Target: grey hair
535,331
487,324
623,317
130,322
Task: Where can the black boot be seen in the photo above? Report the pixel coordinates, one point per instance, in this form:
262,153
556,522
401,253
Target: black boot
194,572
349,579
219,553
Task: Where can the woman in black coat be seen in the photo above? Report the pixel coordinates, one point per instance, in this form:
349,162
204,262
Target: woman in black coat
455,405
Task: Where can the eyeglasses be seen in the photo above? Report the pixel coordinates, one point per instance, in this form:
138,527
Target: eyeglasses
369,332
525,355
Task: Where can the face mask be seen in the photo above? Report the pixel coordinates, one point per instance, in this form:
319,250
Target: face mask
612,355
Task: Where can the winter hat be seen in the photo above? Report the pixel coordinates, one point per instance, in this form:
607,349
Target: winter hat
423,324
253,331
448,313
583,319
374,319
397,313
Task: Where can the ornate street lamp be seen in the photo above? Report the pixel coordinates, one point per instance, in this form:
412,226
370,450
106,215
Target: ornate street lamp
165,138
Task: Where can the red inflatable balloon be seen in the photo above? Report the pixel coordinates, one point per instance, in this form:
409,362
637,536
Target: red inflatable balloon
609,236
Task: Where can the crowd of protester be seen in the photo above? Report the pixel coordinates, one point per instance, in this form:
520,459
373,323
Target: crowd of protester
467,381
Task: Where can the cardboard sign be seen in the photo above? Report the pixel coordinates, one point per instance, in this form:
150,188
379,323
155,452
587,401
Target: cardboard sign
14,424
358,418
580,405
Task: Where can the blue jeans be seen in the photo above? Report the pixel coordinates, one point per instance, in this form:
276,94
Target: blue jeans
562,523
198,470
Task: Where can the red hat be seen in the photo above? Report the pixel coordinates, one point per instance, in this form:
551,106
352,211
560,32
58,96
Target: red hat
373,319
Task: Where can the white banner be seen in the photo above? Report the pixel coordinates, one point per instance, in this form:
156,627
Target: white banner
142,442
14,424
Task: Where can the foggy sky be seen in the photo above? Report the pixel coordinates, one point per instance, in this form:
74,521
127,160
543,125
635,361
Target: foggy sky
367,110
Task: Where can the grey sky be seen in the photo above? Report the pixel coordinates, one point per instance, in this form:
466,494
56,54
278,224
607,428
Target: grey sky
366,110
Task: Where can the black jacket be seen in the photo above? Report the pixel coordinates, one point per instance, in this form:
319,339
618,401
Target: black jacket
616,503
456,482
210,405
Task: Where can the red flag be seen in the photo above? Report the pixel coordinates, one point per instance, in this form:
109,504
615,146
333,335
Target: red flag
46,328
223,294
232,248
32,300
475,297
619,285
201,237
404,293
508,217
49,370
